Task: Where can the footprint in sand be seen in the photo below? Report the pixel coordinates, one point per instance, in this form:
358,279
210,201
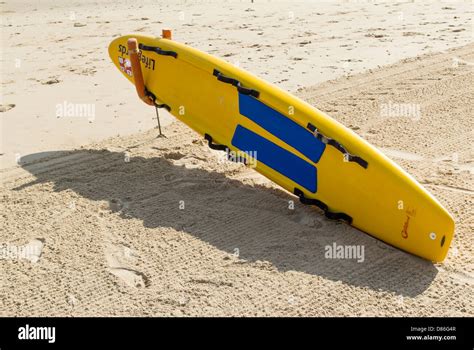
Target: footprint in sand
6,108
119,258
117,205
50,81
131,277
174,155
306,219
188,161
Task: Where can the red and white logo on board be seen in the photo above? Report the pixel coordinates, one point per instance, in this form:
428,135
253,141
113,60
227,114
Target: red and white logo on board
125,65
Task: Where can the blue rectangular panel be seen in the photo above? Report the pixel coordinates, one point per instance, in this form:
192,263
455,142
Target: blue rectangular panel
275,157
282,127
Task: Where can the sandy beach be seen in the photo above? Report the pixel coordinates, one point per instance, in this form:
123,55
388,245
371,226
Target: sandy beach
291,44
93,206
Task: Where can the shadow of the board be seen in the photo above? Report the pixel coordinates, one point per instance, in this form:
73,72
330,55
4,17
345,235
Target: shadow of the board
229,214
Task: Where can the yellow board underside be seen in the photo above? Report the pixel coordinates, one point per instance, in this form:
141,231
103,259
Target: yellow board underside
383,200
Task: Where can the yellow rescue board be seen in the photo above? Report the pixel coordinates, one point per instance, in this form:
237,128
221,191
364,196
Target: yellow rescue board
292,143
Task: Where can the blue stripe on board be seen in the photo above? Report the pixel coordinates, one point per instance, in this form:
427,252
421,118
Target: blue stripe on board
282,127
275,157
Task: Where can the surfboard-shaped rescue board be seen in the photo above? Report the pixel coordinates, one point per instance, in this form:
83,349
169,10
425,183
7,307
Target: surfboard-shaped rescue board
292,143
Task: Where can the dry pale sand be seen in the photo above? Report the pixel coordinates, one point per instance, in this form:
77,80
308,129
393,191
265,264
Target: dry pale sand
140,225
55,51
